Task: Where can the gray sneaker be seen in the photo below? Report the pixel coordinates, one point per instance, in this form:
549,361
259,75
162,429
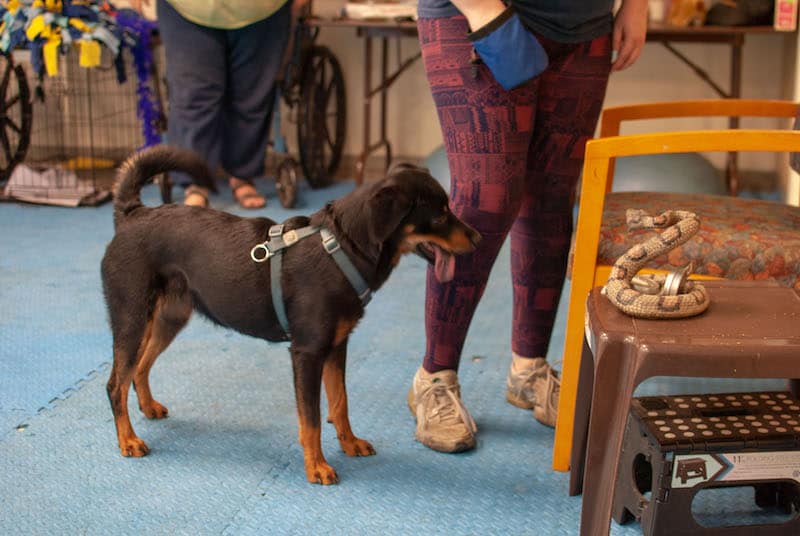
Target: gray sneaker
547,390
533,384
521,376
443,423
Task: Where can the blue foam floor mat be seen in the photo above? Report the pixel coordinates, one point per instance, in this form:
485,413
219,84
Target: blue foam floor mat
226,461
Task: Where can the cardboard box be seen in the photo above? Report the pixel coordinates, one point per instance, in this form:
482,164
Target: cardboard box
785,15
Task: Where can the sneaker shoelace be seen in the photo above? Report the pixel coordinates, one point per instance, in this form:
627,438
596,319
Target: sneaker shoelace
553,389
447,405
527,377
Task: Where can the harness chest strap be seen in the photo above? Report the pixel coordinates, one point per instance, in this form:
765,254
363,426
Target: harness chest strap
272,250
347,267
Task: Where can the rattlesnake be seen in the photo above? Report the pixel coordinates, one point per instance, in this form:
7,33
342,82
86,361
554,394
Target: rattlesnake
649,296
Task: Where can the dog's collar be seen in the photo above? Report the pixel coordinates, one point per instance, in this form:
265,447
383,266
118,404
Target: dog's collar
272,250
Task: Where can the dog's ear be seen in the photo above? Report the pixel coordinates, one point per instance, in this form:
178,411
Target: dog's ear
387,207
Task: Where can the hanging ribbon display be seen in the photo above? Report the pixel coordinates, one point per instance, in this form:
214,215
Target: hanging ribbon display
50,28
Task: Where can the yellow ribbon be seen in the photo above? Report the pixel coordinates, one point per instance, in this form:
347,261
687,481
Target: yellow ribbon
50,53
38,28
89,49
90,53
35,27
80,25
54,6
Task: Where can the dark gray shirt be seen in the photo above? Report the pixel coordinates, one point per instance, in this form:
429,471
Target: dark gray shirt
566,21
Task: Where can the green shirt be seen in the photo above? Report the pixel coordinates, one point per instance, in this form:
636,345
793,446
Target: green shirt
226,14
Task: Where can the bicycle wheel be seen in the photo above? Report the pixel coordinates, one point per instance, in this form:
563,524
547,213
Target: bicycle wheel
321,117
16,116
286,182
165,187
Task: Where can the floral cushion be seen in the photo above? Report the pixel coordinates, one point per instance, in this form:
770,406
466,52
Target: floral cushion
738,238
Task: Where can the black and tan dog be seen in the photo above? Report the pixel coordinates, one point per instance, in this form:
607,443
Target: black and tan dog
163,262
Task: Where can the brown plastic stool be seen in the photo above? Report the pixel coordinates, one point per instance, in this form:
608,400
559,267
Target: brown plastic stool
676,447
750,330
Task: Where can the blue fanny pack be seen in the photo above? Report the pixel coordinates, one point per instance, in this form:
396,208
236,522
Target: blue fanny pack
509,50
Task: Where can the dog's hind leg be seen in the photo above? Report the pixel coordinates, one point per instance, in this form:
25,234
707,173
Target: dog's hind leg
333,376
130,329
170,315
307,370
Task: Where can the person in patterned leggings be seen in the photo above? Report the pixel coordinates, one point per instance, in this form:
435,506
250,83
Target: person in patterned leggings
515,157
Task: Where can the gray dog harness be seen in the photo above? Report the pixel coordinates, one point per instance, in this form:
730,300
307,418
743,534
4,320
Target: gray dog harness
272,250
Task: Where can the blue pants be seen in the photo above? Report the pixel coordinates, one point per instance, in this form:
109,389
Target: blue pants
221,87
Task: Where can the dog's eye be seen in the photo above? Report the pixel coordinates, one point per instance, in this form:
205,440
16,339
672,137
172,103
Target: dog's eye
440,220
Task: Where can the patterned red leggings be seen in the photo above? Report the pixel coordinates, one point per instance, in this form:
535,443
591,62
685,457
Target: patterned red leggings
515,157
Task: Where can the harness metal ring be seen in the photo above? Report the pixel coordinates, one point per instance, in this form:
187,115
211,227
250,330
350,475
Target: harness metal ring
254,253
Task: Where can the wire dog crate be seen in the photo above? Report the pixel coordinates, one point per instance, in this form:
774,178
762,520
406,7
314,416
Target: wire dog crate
82,123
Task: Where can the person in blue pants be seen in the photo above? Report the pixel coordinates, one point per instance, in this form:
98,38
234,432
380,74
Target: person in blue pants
222,62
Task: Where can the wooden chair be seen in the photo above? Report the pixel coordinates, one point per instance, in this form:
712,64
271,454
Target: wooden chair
611,122
740,238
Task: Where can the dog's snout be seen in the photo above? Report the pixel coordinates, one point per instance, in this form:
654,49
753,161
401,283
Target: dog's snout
474,236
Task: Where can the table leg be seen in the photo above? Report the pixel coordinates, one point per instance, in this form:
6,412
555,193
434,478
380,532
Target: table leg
732,167
367,106
385,82
382,88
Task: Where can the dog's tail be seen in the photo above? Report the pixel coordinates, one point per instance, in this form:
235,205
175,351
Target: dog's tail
142,166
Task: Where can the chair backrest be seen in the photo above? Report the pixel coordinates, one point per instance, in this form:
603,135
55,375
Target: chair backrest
612,117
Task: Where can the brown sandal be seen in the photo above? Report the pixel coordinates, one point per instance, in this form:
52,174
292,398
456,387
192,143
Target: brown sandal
195,196
246,194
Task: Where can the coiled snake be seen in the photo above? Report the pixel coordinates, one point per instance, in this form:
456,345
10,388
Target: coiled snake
656,296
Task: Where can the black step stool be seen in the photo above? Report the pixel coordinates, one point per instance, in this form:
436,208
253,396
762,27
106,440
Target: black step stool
676,446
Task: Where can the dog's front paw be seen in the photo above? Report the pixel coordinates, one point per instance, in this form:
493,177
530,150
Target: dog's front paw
321,473
154,410
357,447
133,447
